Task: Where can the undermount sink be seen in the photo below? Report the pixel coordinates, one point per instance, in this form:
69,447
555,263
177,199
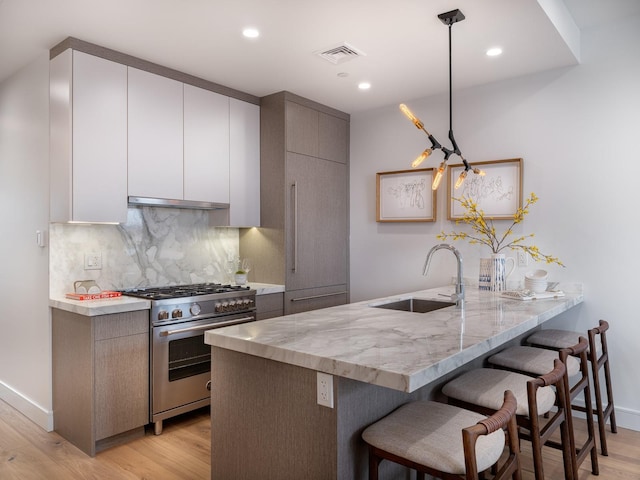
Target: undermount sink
416,305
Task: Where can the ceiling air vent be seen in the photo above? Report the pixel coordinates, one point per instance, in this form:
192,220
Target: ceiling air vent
340,53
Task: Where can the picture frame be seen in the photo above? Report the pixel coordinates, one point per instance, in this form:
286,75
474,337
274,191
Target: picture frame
405,196
498,193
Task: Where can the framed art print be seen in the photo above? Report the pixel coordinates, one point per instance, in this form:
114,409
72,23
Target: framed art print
405,196
498,193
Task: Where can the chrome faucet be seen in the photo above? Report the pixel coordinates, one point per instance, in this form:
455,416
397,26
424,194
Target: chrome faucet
458,297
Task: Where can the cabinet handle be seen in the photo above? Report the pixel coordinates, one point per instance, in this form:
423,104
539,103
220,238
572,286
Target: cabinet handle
294,190
313,297
166,333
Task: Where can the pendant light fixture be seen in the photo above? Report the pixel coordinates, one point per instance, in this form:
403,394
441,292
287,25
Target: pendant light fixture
448,18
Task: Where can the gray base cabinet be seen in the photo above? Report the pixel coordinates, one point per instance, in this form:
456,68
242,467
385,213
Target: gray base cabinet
269,306
100,377
304,202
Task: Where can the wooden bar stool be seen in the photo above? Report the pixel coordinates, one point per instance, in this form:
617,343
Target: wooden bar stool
479,390
598,356
446,441
532,361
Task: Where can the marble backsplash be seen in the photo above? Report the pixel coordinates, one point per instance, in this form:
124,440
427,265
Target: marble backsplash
156,247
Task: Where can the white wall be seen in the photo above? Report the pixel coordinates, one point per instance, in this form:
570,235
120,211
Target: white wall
25,340
577,130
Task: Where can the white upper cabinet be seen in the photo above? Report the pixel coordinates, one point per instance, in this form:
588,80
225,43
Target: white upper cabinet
245,164
155,136
206,145
88,119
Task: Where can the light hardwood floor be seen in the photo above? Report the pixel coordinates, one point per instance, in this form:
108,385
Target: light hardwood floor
182,452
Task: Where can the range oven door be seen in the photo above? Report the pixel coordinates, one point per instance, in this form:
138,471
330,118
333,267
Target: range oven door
181,362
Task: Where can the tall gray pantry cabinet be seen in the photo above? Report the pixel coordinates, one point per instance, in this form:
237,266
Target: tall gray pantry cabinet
304,170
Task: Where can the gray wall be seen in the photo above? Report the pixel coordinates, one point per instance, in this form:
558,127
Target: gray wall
25,341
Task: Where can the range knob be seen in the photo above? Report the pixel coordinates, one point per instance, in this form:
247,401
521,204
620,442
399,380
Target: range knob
177,313
195,309
163,315
218,308
233,306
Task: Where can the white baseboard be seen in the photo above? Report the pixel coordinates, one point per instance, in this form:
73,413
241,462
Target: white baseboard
34,412
625,417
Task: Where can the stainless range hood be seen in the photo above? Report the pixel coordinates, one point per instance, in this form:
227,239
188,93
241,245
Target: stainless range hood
165,202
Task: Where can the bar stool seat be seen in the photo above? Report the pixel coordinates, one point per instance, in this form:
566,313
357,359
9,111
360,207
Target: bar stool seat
598,356
444,440
479,390
484,387
557,339
536,361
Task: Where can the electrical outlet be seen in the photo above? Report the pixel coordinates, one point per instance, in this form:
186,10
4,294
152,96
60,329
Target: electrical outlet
92,261
523,258
325,389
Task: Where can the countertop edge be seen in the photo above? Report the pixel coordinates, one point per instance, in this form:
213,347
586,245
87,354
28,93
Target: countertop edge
122,304
397,380
265,288
91,308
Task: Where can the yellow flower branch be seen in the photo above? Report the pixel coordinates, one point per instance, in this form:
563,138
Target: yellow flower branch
484,231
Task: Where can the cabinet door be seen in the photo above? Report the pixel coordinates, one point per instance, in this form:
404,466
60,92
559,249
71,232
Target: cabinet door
297,301
317,213
333,138
121,384
206,145
88,117
302,129
155,136
245,164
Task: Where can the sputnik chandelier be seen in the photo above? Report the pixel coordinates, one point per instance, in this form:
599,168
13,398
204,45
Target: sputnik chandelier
448,18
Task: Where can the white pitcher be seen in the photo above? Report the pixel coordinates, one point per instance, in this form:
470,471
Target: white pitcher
494,272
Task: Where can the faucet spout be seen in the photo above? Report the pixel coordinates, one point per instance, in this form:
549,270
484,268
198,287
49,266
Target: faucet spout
459,295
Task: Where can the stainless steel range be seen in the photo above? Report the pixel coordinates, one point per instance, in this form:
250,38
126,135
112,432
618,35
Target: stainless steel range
180,360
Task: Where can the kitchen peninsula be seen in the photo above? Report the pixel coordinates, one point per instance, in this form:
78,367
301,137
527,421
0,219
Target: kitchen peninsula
266,422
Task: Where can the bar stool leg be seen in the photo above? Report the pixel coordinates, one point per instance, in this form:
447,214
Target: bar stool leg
582,385
596,364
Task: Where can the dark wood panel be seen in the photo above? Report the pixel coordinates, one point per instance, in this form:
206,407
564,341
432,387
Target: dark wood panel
121,324
333,135
279,430
72,359
121,384
302,129
297,301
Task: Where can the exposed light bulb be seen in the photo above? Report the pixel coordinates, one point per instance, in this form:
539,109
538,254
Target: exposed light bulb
421,158
416,121
494,52
438,178
460,180
477,171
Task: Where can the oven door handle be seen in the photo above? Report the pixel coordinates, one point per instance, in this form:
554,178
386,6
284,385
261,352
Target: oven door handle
166,333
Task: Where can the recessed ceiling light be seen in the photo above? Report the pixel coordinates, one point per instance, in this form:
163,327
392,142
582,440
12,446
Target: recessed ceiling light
364,85
251,32
494,52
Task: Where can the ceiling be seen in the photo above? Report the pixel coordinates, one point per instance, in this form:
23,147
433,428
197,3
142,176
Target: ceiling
403,42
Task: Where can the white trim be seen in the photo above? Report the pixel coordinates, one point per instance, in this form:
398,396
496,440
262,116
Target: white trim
27,407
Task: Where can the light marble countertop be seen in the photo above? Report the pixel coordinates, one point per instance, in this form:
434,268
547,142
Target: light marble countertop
265,288
399,350
91,308
107,306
